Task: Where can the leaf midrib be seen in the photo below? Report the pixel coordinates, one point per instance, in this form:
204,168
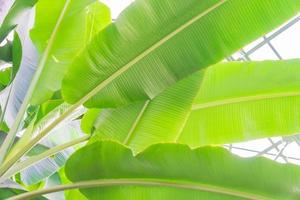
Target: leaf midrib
212,104
242,99
135,123
144,182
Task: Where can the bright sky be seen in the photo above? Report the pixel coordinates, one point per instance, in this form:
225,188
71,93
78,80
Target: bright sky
116,6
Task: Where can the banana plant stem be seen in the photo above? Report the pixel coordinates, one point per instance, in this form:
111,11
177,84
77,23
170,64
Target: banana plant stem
13,131
34,159
141,182
8,163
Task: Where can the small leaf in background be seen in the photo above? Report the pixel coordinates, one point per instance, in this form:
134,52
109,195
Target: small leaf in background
16,55
5,77
47,107
4,128
88,120
55,180
30,116
6,52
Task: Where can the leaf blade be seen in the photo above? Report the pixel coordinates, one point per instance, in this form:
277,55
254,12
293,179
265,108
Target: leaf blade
125,73
259,97
213,167
66,43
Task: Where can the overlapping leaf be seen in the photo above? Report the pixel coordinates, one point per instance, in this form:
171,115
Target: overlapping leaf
227,103
154,43
61,30
173,171
80,20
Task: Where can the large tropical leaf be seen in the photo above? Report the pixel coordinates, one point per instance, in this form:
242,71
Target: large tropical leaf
226,103
173,171
62,28
15,14
155,43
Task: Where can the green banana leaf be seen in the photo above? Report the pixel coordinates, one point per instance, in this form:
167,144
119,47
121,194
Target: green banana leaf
228,102
62,28
153,44
16,12
11,192
16,55
70,194
88,120
10,188
174,171
5,75
6,52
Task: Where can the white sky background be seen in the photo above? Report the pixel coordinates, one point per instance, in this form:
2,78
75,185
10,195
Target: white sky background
116,6
287,45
